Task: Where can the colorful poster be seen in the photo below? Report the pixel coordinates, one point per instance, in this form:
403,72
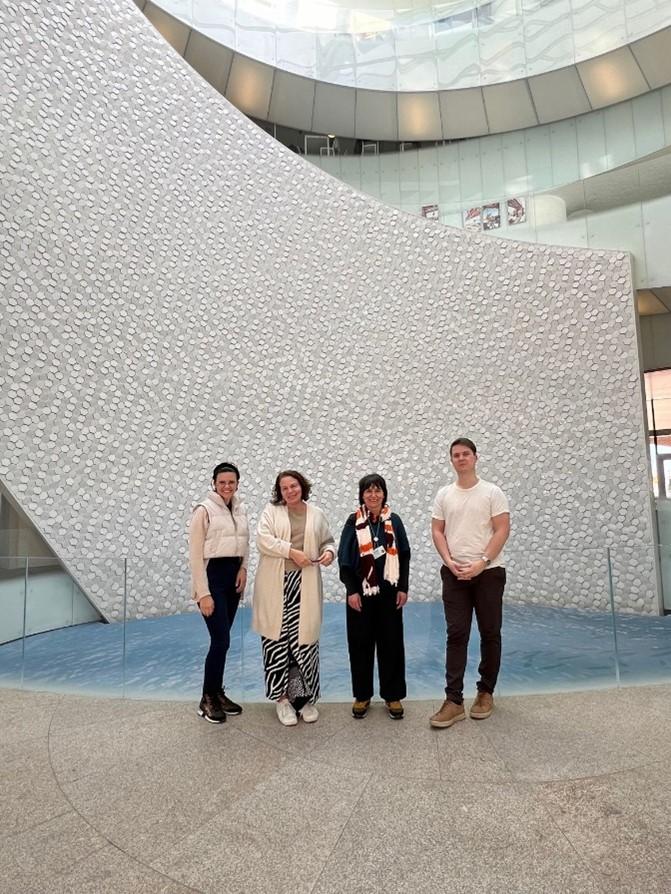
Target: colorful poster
517,211
473,219
491,216
430,212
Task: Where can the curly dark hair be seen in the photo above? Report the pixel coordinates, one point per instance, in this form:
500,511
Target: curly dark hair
306,486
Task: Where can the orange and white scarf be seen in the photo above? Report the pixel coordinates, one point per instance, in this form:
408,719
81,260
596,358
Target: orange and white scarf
365,540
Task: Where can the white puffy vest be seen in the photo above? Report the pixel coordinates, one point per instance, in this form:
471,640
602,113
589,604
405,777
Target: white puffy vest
228,530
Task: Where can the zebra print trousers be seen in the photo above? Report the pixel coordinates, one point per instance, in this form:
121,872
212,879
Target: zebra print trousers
290,669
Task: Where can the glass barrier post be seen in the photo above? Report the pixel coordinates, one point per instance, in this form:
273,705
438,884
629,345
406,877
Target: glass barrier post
123,631
72,601
611,595
23,628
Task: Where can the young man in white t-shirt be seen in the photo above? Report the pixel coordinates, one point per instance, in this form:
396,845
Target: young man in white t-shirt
470,524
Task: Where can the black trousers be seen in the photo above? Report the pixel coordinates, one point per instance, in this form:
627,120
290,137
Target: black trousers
221,574
484,595
378,626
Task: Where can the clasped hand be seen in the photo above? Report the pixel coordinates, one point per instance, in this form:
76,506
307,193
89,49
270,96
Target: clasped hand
466,570
303,561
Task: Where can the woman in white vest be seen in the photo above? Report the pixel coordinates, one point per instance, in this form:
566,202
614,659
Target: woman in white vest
294,543
218,552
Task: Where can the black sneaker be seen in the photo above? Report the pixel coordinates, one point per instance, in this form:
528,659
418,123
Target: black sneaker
210,709
227,706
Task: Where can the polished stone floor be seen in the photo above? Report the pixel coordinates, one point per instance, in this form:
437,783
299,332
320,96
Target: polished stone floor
567,792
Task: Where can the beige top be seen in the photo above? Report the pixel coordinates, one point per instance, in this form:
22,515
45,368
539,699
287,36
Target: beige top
297,522
274,542
467,513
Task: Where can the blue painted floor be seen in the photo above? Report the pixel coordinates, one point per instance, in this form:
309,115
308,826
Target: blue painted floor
544,649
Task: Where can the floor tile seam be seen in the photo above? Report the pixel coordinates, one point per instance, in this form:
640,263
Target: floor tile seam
329,738
310,757
391,774
109,843
123,766
441,776
594,777
135,721
147,755
91,854
7,838
87,724
660,764
325,762
52,711
153,869
499,756
597,877
75,862
120,764
105,837
288,751
516,777
344,826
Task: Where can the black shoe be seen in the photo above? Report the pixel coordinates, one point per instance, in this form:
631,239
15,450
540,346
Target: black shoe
227,706
210,709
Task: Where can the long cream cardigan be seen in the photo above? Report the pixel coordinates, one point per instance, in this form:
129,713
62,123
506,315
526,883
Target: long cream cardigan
273,538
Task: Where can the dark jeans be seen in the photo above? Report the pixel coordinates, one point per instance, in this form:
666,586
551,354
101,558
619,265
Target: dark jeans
221,574
379,625
484,594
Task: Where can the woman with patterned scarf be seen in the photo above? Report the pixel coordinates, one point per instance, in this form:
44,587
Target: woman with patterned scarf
374,558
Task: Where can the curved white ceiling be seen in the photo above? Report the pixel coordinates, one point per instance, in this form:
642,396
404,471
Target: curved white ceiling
272,94
412,47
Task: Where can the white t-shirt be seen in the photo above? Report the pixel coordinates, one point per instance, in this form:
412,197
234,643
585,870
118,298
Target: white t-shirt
467,513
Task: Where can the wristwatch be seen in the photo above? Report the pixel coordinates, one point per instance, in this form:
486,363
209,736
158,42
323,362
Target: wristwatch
486,560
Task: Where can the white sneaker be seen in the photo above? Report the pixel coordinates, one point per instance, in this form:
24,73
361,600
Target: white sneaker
309,713
286,713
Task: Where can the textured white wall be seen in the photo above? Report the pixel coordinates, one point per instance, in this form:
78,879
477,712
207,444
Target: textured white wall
178,289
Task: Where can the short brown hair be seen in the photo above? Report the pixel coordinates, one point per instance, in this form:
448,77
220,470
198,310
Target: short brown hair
464,442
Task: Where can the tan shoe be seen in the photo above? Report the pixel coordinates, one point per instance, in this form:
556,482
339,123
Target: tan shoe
448,714
395,710
360,709
483,706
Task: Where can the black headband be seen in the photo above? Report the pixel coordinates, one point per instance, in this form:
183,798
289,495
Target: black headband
226,467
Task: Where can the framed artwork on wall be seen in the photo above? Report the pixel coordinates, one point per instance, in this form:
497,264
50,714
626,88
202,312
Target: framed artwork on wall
491,216
517,211
472,218
431,212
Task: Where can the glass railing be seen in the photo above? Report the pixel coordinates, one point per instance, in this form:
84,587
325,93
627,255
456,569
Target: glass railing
570,621
644,640
417,46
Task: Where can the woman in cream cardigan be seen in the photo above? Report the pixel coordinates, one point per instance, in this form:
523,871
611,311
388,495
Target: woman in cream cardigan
218,552
294,542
